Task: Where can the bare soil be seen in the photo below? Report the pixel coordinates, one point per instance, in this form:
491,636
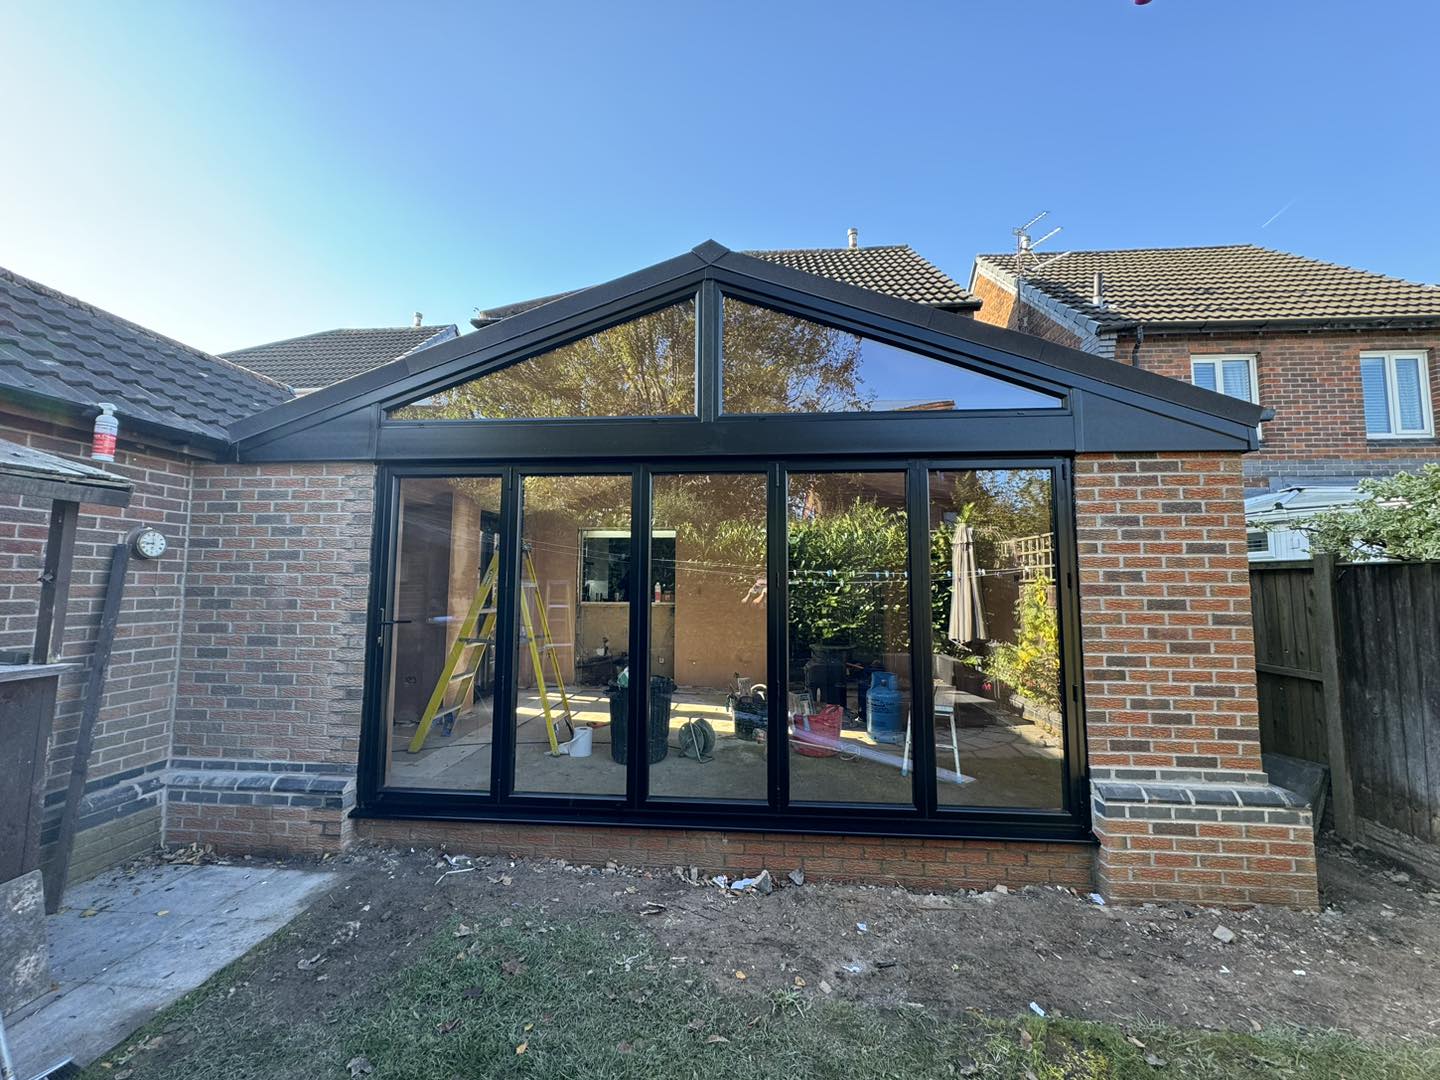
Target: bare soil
1365,965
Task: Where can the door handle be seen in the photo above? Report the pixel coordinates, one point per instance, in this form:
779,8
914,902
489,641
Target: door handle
381,625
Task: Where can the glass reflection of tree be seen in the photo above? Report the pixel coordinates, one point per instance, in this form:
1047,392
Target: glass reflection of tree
644,367
776,363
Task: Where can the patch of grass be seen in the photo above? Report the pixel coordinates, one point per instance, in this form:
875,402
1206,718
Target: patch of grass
597,1000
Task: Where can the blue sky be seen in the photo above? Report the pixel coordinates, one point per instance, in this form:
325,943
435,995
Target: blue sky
235,173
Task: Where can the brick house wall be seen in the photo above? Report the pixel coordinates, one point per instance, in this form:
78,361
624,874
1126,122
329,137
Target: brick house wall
999,306
121,815
1312,381
1180,804
267,717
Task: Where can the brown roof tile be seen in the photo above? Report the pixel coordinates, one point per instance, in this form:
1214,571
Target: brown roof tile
1235,284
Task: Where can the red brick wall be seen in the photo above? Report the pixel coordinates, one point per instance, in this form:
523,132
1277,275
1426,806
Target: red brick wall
1182,808
1165,610
133,729
914,863
999,308
271,667
1312,381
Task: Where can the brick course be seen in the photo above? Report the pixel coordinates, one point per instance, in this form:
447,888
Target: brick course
913,863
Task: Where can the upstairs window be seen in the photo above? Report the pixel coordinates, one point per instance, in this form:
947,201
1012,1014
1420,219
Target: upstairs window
644,367
1396,388
1233,376
778,363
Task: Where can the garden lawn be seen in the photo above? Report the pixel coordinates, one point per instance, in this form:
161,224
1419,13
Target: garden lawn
532,994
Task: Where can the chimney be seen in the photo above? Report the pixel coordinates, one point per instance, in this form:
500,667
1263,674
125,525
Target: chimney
1097,291
419,320
853,235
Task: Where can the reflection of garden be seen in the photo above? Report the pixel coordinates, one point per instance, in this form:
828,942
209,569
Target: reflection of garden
996,694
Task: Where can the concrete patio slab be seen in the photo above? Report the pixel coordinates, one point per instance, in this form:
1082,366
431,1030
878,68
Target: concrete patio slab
116,960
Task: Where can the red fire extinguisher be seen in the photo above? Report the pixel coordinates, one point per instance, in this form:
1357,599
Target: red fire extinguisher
107,426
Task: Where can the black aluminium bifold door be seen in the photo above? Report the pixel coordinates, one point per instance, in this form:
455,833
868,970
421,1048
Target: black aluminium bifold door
875,645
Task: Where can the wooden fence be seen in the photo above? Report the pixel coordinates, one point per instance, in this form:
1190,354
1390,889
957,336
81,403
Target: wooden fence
1348,666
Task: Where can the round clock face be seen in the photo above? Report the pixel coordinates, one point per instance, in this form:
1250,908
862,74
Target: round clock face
150,544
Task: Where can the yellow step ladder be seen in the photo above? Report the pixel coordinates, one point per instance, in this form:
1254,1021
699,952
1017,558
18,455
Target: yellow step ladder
458,676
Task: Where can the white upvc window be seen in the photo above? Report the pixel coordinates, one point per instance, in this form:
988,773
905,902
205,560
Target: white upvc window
1233,376
1396,389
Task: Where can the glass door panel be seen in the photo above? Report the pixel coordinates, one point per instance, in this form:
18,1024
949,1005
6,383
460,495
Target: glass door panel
440,700
572,672
849,695
998,717
707,717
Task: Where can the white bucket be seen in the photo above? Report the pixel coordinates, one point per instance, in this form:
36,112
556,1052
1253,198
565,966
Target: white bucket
579,746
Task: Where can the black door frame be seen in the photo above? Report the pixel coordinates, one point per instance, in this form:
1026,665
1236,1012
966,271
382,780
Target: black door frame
924,818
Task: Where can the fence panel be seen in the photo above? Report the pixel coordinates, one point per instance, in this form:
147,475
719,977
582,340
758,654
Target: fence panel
1289,673
1390,659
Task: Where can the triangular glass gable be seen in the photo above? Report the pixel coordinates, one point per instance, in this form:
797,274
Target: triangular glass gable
779,363
644,367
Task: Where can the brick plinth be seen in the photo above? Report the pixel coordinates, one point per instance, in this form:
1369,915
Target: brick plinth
913,863
1181,804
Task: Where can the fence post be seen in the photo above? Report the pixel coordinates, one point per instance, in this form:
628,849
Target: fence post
1342,788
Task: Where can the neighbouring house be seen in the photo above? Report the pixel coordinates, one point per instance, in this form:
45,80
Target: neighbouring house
311,361
1341,356
725,564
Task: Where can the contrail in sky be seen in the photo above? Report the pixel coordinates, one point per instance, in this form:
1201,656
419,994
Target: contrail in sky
1277,213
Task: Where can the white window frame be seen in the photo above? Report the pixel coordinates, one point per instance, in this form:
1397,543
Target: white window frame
1392,394
1218,359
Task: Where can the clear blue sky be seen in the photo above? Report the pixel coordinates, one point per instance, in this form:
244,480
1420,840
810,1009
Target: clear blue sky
231,173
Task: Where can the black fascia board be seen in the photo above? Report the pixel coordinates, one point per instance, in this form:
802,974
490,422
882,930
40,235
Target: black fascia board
1005,352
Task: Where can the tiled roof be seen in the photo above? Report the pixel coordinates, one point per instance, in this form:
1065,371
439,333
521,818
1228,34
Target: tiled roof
895,270
331,355
58,348
1237,284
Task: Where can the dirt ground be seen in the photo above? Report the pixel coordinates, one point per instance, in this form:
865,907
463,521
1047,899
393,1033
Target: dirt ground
1365,965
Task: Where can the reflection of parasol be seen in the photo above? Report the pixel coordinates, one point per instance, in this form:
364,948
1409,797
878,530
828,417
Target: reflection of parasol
967,617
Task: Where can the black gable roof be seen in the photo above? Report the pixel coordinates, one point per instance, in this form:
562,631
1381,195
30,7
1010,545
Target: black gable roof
55,348
892,270
1108,406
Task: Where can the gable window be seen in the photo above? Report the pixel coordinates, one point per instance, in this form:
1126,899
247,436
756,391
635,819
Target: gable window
1233,376
643,367
1396,388
778,363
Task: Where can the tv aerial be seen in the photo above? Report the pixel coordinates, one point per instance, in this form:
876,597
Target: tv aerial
1027,259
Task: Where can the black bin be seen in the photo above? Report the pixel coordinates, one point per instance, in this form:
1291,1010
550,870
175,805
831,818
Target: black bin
658,727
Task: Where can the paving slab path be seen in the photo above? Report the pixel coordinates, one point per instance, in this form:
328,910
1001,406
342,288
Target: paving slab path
126,944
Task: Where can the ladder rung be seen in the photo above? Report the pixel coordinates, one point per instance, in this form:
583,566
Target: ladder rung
462,675
558,645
